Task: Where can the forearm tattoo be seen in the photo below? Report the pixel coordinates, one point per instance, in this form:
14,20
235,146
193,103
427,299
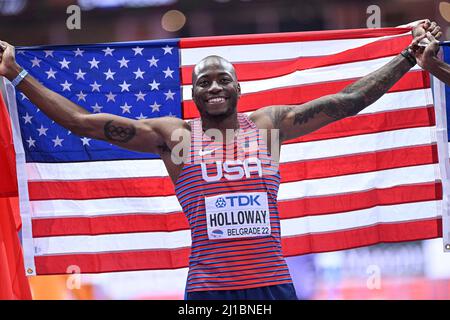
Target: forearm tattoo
349,101
119,133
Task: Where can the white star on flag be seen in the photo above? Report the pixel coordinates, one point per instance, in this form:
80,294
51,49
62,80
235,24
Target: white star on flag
139,73
27,118
126,108
123,62
80,74
97,108
154,85
168,73
140,96
36,62
169,95
167,49
125,86
64,63
141,116
78,52
111,97
30,142
23,96
57,141
94,63
108,51
48,53
137,51
155,107
85,141
109,74
81,96
42,131
51,73
66,85
95,86
153,61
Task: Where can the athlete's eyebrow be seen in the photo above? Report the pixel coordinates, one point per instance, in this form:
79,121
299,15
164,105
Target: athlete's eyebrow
221,74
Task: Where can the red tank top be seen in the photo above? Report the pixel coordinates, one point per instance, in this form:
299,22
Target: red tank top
231,205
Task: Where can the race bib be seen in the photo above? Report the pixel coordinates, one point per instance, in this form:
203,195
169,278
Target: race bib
237,215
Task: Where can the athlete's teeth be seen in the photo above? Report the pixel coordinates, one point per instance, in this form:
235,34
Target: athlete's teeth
216,100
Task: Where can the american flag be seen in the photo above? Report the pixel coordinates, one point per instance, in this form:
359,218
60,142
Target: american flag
375,177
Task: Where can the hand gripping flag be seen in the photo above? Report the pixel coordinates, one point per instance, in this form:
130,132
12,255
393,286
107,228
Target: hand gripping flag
375,177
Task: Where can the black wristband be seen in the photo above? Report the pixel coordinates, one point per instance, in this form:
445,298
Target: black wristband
408,56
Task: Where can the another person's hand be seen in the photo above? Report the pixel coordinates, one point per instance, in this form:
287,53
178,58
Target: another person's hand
8,65
426,56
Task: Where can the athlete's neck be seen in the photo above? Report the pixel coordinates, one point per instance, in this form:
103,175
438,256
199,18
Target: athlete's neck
221,123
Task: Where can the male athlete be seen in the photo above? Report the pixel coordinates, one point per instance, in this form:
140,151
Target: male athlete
231,204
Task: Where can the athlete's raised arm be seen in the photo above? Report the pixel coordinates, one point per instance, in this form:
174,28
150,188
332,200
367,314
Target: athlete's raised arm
148,135
298,120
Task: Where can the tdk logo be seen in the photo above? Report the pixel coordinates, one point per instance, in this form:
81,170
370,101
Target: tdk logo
220,203
233,169
240,201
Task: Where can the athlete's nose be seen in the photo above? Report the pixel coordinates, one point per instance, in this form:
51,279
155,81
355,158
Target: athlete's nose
214,88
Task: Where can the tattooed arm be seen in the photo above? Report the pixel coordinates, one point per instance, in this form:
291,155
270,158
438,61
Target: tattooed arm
295,121
152,135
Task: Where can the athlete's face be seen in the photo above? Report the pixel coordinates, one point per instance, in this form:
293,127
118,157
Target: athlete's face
215,88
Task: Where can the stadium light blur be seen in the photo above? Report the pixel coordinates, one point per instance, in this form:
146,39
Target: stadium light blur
94,4
12,7
173,20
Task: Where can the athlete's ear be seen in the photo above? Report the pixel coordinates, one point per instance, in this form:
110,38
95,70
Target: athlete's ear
239,89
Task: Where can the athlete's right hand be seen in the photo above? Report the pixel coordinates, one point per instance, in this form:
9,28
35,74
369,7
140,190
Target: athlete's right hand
8,65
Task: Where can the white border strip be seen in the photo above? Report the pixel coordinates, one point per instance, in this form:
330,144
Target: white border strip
276,51
444,164
22,181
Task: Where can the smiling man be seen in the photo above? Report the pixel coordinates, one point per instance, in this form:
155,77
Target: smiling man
226,187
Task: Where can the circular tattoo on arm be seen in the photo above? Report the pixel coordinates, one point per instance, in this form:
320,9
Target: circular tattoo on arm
119,133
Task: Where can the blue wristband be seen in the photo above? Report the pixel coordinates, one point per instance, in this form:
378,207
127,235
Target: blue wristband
19,77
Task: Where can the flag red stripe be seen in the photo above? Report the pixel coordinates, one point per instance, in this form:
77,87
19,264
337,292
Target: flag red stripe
178,258
290,171
130,223
247,71
100,189
358,163
303,93
363,236
360,200
114,261
265,38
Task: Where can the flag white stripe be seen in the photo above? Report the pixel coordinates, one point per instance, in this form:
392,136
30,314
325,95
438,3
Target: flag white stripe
289,152
400,100
275,51
309,76
360,218
288,190
357,182
357,144
113,242
290,227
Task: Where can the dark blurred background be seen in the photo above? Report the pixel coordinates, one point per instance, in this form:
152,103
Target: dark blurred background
31,22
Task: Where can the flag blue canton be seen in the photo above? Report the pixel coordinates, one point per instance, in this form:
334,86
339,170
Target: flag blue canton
138,80
446,47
